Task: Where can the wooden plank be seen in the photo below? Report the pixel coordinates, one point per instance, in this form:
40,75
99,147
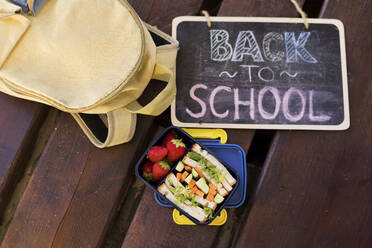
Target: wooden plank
97,196
161,12
19,120
50,189
76,188
148,213
72,177
317,188
240,137
258,8
166,233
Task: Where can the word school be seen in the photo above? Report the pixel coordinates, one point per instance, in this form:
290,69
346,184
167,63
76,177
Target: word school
246,45
282,103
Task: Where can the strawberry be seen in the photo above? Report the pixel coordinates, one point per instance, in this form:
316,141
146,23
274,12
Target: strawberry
147,171
168,137
176,149
157,153
160,170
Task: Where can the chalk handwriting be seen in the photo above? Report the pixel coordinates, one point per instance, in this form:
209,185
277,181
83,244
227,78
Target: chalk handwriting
238,102
221,50
268,69
228,74
211,101
281,104
241,49
275,93
288,74
246,45
312,117
267,102
286,98
249,70
201,102
296,48
268,38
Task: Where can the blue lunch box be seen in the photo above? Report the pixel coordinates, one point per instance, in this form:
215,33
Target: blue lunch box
188,141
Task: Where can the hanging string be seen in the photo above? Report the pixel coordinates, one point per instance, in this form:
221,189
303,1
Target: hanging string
301,12
206,14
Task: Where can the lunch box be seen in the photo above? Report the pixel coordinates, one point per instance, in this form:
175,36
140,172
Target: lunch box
188,140
234,155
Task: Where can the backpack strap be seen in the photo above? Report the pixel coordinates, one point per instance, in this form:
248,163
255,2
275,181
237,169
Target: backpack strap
109,129
164,70
163,99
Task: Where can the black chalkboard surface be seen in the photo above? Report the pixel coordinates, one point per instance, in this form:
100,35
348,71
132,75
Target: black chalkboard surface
268,73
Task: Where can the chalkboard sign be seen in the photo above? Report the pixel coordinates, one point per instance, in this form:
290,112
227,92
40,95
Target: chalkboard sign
268,73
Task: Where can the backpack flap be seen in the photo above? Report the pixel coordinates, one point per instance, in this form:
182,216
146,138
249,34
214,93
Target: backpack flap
86,53
118,126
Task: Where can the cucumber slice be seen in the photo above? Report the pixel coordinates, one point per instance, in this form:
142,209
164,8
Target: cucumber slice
180,166
194,173
188,179
218,199
202,185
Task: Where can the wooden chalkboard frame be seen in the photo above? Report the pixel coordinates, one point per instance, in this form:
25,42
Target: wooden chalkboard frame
343,126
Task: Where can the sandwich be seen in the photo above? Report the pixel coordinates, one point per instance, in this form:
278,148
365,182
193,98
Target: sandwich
200,184
211,169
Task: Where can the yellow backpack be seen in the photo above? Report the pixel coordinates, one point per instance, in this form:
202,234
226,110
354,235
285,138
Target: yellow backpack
91,58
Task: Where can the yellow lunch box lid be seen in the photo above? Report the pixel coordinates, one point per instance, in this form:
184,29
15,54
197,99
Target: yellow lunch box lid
180,219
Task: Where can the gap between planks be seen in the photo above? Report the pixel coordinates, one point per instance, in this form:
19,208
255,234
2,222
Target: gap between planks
41,139
129,204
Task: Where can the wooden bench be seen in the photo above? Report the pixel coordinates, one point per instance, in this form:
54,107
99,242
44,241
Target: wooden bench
75,189
311,188
167,232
